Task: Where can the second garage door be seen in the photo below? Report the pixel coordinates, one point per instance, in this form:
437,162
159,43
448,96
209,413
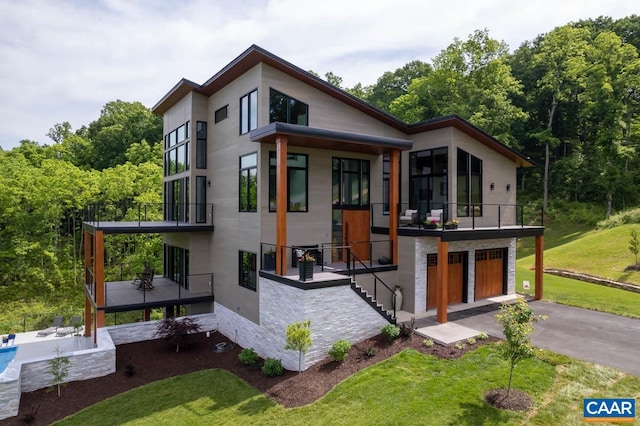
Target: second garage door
489,273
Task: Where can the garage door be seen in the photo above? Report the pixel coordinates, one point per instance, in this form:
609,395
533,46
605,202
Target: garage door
489,273
456,279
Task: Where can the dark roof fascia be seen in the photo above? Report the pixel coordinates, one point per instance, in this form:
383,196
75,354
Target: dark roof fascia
312,132
255,55
466,127
177,92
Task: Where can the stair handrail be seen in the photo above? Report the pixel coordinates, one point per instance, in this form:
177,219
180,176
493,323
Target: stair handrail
355,258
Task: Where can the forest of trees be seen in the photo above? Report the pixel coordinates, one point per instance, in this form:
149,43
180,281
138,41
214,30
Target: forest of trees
570,99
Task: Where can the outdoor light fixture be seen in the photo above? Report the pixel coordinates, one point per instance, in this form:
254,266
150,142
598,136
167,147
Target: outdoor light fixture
508,187
209,183
493,186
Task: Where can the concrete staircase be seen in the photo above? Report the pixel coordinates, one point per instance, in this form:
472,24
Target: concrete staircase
373,303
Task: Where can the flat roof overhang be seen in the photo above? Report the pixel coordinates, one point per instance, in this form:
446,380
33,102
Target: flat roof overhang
313,137
157,304
146,227
467,234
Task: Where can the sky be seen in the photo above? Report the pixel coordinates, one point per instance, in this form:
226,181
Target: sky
63,60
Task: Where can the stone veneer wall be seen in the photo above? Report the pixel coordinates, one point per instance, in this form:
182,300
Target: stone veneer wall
30,375
335,313
424,246
141,331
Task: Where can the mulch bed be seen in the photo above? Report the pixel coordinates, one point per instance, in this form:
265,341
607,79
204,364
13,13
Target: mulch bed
516,401
155,360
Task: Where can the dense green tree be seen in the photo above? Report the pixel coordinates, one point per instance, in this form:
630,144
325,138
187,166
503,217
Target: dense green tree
471,79
120,125
392,85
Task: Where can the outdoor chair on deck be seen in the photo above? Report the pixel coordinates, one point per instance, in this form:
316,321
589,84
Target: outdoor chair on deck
57,322
64,331
144,280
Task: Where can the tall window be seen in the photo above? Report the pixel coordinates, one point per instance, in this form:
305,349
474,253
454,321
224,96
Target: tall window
201,145
350,182
386,161
428,180
247,269
176,155
176,265
176,200
249,112
297,182
249,183
285,109
469,195
201,199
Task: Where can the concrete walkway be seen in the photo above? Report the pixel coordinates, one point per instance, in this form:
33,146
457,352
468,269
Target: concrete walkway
592,336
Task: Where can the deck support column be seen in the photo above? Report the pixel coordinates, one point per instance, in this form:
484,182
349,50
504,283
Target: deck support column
539,266
88,280
281,204
442,279
98,273
394,198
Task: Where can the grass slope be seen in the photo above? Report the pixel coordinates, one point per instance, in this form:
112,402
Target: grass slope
409,388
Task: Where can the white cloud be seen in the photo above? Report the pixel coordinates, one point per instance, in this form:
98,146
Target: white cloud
63,60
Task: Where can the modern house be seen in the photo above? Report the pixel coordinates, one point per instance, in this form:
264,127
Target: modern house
265,160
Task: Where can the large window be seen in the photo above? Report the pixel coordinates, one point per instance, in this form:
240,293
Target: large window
297,182
285,109
350,182
176,200
176,155
249,183
249,112
247,269
469,195
428,185
201,145
176,265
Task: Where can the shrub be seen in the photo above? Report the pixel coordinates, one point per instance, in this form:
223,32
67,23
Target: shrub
248,356
460,346
428,343
471,341
178,331
272,367
340,350
483,336
391,331
368,351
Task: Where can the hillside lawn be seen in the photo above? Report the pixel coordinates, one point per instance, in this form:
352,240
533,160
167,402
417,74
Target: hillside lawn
409,388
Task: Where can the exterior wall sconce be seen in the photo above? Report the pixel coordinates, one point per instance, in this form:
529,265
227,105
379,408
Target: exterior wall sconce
209,183
493,186
508,187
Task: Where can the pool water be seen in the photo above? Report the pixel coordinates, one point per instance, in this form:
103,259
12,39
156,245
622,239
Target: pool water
6,356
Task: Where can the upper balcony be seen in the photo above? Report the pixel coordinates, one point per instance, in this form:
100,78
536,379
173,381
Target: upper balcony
461,221
137,218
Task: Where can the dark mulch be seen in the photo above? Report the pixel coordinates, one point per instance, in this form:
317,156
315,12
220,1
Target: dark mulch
155,360
516,401
635,267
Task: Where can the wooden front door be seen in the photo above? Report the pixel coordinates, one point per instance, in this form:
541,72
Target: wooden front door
489,273
456,279
356,232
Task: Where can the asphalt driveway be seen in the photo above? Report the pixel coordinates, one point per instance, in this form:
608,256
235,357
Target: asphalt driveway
597,337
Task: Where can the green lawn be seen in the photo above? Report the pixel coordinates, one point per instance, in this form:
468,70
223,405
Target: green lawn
409,388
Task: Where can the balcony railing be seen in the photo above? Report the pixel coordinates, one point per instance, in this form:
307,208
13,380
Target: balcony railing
178,213
130,292
467,215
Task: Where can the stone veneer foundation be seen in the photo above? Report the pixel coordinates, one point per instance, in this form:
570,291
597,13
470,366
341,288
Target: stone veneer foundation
335,313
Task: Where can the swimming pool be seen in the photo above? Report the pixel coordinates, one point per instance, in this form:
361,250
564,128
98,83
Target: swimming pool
6,356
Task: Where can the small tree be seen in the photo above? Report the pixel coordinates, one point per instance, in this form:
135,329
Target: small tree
178,332
299,339
634,244
516,320
59,369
